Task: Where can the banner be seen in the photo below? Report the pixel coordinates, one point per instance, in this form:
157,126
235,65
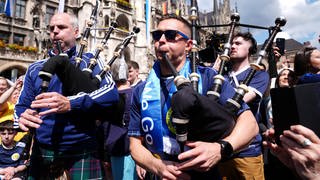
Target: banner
8,7
61,6
148,17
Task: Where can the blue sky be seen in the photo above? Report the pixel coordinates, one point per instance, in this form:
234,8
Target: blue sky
303,17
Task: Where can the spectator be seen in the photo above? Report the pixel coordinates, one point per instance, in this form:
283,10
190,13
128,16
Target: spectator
299,150
65,143
116,132
274,169
12,165
7,101
248,163
307,65
133,73
286,78
153,146
4,85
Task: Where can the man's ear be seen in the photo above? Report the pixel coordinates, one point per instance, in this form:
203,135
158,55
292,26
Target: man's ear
76,32
189,45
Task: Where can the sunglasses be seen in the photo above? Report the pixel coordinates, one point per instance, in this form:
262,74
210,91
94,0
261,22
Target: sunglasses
169,34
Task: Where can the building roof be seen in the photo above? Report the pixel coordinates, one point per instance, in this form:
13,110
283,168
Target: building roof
290,45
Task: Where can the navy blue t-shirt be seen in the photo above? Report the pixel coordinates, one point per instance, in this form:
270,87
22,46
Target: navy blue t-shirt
259,84
11,157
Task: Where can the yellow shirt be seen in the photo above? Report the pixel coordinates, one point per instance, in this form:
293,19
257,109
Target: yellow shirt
7,114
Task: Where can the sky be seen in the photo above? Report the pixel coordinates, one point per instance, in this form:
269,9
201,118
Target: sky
303,17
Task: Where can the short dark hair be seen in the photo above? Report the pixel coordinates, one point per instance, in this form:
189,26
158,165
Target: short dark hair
133,64
6,125
248,37
177,17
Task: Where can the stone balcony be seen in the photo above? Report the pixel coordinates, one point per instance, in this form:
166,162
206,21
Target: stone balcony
7,54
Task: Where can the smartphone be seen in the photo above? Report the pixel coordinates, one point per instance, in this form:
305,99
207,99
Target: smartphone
297,105
280,43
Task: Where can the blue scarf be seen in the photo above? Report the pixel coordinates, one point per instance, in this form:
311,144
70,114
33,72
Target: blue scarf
156,120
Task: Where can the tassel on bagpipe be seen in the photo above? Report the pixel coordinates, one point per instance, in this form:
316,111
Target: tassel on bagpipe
73,79
234,103
196,116
219,79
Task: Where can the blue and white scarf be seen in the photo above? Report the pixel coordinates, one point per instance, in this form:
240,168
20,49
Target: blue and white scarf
155,119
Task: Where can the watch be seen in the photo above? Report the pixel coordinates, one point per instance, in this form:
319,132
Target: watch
226,150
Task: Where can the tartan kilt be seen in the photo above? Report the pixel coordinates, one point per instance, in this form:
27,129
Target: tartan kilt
47,164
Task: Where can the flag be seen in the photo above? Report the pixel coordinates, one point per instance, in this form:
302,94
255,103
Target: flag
164,8
8,7
61,6
148,17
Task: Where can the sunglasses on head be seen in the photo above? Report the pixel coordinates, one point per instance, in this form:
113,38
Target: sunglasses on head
169,34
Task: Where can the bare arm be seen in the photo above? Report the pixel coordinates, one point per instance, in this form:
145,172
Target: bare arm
6,95
245,130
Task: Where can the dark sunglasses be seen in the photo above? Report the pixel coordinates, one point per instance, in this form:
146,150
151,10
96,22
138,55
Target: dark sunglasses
169,34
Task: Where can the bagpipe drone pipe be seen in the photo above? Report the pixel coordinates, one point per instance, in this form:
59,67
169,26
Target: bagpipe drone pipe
75,80
199,117
195,116
233,104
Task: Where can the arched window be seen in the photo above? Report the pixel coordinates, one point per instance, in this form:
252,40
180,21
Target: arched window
123,22
106,21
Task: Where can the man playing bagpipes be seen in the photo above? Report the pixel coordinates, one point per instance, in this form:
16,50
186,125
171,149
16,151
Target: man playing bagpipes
64,142
152,143
248,163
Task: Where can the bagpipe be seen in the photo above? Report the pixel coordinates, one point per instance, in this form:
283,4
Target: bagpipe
199,117
219,79
75,80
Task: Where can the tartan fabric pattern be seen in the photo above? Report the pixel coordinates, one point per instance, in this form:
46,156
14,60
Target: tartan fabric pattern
47,164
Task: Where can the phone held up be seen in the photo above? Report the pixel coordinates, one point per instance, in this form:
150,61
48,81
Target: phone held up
280,43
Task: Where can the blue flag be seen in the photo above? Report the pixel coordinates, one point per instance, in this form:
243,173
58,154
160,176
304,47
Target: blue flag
8,7
148,16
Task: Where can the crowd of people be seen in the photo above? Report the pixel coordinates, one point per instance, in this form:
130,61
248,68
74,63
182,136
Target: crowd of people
123,130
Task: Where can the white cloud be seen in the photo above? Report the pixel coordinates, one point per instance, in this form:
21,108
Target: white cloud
302,18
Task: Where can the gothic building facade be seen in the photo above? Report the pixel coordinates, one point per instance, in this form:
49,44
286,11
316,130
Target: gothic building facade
24,35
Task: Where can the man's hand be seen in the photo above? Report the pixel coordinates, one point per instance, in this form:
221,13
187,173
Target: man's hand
305,157
144,159
277,150
141,173
169,170
54,102
201,157
29,119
